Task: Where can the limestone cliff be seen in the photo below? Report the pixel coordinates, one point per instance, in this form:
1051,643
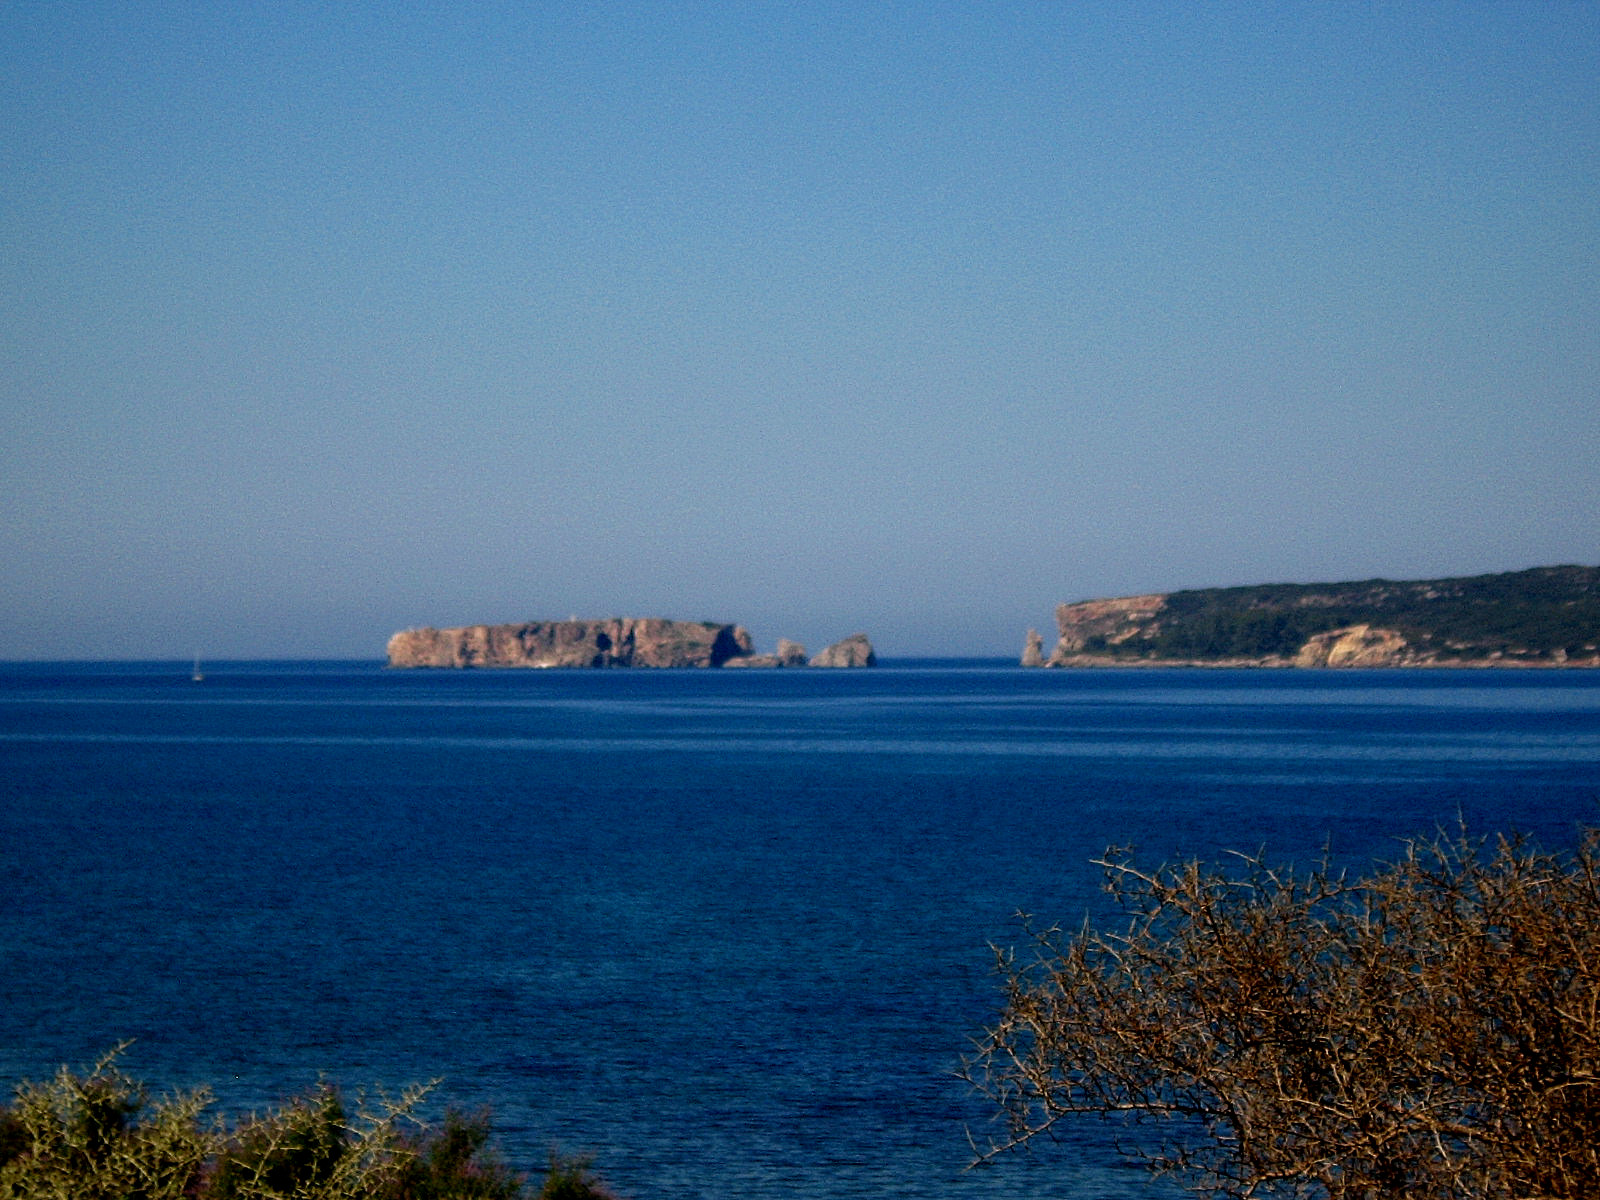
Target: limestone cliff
1098,624
614,642
1357,646
1545,616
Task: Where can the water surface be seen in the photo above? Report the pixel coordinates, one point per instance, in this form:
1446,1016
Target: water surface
727,930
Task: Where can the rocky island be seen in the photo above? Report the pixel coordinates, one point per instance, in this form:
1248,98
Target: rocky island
612,642
1542,617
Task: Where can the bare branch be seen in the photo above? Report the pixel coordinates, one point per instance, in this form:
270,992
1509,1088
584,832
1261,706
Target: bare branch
1430,1032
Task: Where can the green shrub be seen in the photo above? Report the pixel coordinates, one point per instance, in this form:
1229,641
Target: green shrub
454,1162
572,1179
99,1136
313,1149
78,1138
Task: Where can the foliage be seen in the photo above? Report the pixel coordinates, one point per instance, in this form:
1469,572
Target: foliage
1252,633
572,1179
1431,1031
99,1136
311,1147
455,1161
1535,614
76,1138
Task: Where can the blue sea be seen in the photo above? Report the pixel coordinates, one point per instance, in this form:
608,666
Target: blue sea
727,931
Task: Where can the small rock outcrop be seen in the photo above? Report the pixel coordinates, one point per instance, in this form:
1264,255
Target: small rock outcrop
790,654
1355,646
1033,650
854,651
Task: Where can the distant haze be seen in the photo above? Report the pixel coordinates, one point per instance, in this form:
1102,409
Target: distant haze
322,321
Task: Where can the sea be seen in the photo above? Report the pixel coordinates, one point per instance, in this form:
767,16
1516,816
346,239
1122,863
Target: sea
730,933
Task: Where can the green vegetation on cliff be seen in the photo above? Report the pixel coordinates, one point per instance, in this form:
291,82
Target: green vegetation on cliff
1546,614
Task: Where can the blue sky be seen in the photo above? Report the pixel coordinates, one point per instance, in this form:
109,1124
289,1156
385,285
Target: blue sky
326,320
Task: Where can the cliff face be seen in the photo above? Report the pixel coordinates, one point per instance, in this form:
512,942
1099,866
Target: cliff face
1357,646
616,642
1546,616
1103,623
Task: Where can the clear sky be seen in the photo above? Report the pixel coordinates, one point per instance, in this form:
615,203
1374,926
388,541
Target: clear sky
318,321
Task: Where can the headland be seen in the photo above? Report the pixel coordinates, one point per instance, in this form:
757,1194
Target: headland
1541,617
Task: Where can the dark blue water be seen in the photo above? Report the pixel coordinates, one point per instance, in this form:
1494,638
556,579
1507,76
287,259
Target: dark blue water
726,930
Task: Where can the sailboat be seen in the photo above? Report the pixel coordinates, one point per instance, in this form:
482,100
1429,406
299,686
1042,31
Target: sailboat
197,675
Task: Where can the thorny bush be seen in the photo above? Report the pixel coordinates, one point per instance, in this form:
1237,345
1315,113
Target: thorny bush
1429,1032
99,1136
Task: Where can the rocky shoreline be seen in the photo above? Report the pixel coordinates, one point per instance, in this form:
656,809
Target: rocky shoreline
1107,663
